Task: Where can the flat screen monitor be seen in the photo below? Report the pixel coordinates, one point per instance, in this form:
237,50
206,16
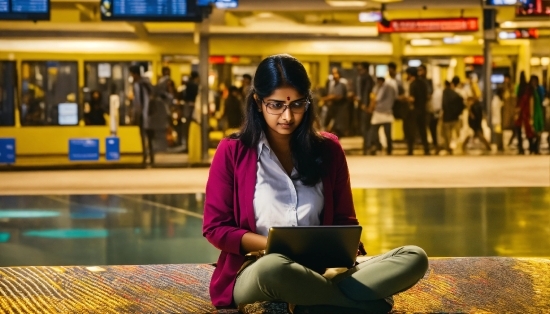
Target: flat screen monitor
33,10
220,4
499,3
381,70
533,8
497,78
150,10
67,114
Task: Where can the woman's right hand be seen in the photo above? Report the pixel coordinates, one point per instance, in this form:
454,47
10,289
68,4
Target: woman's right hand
252,242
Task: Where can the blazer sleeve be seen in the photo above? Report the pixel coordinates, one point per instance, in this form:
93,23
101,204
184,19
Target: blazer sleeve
344,211
220,226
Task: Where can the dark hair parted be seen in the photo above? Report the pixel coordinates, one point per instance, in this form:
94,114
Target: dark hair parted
306,144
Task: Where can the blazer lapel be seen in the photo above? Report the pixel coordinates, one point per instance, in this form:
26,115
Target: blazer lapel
250,172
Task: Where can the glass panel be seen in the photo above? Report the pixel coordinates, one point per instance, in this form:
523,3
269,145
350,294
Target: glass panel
7,93
102,80
44,86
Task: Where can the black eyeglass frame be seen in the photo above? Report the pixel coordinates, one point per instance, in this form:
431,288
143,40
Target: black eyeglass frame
306,100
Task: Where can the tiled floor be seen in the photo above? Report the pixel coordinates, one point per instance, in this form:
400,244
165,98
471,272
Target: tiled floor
166,228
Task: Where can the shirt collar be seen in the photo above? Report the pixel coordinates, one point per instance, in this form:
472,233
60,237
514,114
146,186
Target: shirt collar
263,143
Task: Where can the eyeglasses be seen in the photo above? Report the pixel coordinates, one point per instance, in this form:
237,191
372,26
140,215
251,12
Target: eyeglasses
277,108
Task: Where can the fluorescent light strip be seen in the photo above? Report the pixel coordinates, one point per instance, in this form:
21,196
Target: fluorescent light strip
344,3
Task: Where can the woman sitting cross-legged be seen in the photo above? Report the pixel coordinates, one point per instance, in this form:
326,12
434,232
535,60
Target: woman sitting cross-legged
279,171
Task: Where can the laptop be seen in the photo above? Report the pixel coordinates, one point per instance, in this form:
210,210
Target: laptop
316,247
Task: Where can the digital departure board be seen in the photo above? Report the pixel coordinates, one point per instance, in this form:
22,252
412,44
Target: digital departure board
150,10
35,10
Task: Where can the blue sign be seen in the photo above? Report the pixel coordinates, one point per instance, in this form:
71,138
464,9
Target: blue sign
7,150
112,148
84,149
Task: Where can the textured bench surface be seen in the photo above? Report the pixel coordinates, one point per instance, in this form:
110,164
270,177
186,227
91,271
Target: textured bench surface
453,285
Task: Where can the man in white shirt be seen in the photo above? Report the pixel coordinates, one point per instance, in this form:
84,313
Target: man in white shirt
382,115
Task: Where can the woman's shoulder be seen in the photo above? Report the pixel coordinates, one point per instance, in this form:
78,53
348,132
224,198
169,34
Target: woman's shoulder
332,143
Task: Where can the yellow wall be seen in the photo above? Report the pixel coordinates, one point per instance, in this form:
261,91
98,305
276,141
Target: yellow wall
55,139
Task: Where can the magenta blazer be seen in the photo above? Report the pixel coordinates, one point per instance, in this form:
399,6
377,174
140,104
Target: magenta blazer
229,210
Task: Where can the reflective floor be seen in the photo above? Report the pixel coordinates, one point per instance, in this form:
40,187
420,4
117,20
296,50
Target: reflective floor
151,229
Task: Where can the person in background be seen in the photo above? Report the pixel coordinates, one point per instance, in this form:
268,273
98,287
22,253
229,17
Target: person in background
475,117
96,115
364,85
537,113
279,171
246,85
523,112
433,106
399,108
337,100
190,97
382,115
497,105
141,95
466,93
453,106
416,120
232,109
509,107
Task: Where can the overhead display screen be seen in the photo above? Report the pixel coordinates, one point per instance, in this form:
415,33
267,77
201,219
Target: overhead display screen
150,10
533,8
220,4
501,2
34,10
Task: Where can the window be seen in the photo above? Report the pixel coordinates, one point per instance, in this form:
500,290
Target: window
44,86
7,93
103,79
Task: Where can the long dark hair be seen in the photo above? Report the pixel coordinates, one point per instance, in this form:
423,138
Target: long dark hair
522,86
306,144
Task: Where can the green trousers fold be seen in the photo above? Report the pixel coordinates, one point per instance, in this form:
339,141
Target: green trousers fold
275,277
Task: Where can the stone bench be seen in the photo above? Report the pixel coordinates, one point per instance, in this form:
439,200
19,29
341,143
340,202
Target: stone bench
451,285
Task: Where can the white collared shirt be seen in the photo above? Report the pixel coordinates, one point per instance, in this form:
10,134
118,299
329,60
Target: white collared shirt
281,201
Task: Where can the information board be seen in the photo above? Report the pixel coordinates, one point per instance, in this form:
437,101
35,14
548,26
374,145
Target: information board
34,10
84,149
150,10
467,24
7,150
112,148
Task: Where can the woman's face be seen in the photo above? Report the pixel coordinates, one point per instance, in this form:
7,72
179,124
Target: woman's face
286,122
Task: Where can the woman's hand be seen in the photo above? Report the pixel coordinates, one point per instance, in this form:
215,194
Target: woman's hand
252,242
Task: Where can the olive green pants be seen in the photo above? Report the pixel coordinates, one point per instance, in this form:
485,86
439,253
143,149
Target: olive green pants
275,277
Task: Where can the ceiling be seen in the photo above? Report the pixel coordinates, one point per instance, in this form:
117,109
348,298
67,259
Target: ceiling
318,5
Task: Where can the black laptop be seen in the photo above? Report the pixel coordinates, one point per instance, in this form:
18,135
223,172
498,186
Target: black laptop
316,247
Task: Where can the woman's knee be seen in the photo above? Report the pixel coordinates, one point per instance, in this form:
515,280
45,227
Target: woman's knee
419,257
272,267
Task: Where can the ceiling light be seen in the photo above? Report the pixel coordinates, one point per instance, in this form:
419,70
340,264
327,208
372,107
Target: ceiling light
545,61
464,38
453,63
369,17
421,42
452,40
346,3
535,61
414,63
265,15
386,1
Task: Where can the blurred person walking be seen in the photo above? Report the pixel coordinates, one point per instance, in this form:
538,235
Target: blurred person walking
189,98
416,116
338,114
433,106
231,110
475,117
497,105
453,106
382,115
364,85
530,114
141,96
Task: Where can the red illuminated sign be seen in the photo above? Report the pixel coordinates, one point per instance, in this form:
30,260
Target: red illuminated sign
469,24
